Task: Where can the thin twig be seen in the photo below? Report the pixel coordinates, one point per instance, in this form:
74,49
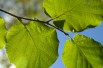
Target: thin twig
18,17
45,22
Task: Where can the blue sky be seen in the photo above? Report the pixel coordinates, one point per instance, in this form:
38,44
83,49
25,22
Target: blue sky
95,33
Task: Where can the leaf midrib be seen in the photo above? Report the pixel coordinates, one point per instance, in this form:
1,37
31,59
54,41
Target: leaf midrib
66,11
81,52
26,27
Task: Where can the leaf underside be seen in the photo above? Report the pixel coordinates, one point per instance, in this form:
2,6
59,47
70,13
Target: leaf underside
86,53
32,46
78,14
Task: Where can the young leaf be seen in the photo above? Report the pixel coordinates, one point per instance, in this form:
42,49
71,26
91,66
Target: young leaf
34,45
2,33
86,53
78,14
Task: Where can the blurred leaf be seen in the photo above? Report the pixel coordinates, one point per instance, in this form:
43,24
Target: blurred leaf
32,46
86,53
3,31
78,14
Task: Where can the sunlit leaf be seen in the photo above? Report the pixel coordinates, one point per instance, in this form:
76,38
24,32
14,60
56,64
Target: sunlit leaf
78,14
84,53
2,33
32,46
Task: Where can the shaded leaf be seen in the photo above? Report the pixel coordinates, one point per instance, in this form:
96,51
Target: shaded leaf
3,31
59,23
32,46
46,13
78,14
86,53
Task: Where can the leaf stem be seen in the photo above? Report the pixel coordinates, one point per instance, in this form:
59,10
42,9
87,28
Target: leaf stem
44,22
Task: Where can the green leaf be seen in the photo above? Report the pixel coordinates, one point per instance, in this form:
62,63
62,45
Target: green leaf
32,46
3,31
86,53
78,14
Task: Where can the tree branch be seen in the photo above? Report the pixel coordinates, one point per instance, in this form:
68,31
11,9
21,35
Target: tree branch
18,17
44,22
